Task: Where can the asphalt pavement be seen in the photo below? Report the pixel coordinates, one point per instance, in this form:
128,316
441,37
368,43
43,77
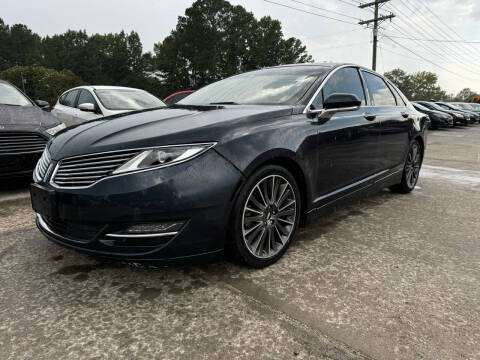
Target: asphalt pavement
393,277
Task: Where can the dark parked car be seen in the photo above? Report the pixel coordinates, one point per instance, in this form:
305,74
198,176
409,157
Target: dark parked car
438,119
176,97
237,165
459,118
472,117
24,131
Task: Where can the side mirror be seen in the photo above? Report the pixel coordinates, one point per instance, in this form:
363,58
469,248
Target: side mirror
43,104
87,107
337,103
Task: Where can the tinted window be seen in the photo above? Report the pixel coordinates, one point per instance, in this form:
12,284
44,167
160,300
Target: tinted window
127,99
397,95
420,107
9,95
283,85
86,97
346,80
69,98
432,106
176,98
380,94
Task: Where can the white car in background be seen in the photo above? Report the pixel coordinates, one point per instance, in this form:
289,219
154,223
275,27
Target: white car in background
84,103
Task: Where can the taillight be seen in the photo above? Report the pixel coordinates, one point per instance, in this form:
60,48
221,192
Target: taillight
52,107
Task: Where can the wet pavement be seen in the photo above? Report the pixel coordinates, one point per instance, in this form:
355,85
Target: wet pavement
393,277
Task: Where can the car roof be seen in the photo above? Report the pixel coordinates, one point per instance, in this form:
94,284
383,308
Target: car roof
104,87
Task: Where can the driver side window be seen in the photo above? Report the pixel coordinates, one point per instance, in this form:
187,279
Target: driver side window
346,80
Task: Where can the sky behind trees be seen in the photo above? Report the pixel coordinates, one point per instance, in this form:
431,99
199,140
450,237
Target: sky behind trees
326,40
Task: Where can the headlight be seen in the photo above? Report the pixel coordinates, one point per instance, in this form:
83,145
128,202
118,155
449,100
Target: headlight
52,131
163,156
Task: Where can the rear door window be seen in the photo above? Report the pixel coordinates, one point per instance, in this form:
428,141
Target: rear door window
380,93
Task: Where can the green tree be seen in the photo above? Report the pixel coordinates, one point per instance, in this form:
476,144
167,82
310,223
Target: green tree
18,46
465,95
419,86
41,83
402,80
425,87
216,39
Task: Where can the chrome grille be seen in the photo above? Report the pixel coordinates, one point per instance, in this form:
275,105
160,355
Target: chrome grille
81,171
42,165
21,142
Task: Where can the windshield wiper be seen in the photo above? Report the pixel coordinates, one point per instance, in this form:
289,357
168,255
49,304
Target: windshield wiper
224,103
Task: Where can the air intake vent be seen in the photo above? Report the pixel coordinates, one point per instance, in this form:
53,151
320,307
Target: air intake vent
85,170
21,142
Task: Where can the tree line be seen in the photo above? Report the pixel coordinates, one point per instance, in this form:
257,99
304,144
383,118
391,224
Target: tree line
423,85
213,40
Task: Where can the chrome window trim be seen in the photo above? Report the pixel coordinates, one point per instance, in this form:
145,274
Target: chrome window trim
385,80
362,80
57,166
322,84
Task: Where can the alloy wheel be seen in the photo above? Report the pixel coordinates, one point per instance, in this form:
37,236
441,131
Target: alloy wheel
413,164
269,216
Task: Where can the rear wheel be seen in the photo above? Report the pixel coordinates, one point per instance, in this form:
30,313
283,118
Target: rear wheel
266,216
411,170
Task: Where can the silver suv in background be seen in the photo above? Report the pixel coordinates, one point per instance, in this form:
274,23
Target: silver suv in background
85,103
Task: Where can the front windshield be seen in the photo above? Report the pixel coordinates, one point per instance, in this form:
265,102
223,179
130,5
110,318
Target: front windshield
9,95
127,99
274,86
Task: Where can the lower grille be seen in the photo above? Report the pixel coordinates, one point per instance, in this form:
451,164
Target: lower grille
75,231
21,142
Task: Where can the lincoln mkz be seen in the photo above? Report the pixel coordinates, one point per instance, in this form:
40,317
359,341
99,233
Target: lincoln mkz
235,167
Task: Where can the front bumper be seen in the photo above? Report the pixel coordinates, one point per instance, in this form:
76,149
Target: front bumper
441,122
198,193
14,165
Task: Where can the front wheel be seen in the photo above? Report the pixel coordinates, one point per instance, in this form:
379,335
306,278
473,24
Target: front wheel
411,171
266,216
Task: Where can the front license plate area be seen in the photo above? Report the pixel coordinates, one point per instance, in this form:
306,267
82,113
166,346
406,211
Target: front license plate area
43,200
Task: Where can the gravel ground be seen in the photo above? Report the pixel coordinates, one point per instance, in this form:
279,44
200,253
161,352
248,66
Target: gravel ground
394,277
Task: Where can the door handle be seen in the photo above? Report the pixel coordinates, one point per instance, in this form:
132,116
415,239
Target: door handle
405,115
369,116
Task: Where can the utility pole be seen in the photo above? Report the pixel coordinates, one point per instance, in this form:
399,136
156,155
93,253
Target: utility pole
376,21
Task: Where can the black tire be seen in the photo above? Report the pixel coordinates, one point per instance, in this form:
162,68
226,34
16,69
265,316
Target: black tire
271,229
411,170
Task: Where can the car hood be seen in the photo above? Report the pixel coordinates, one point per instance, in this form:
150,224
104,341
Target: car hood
162,126
31,117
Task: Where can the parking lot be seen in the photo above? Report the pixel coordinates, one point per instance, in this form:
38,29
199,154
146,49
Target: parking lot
394,277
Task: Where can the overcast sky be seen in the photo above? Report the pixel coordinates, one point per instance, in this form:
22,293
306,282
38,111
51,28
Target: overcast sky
326,40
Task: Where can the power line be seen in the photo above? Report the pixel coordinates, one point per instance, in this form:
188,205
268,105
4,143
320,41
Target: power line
445,33
376,21
319,8
309,12
445,54
435,40
425,59
349,3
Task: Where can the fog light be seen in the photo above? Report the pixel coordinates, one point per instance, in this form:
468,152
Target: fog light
149,230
